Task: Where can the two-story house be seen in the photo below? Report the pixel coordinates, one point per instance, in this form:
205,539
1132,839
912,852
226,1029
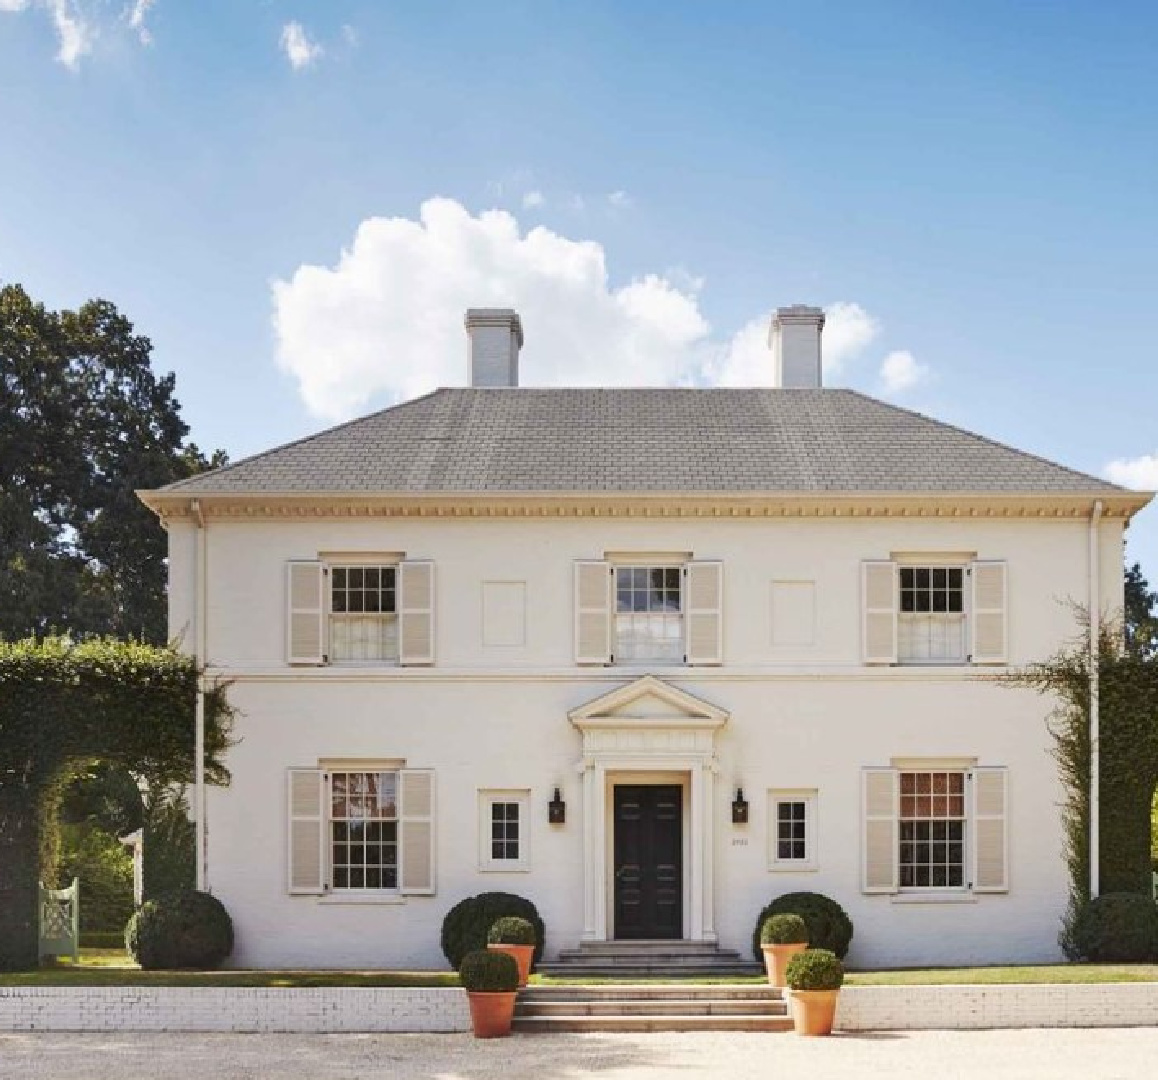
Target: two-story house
649,657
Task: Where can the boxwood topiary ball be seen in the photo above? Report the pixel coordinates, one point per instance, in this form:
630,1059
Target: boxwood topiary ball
1118,928
829,926
468,923
484,971
187,929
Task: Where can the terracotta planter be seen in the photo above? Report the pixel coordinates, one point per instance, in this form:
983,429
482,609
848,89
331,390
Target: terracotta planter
813,1011
490,1014
776,959
523,955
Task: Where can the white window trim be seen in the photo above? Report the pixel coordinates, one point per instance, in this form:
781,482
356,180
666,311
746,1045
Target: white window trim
338,895
488,797
364,560
810,862
939,893
938,561
649,561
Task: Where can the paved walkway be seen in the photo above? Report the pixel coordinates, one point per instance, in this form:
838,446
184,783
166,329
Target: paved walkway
1102,1054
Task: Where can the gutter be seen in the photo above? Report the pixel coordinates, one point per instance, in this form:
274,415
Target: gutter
200,641
1095,602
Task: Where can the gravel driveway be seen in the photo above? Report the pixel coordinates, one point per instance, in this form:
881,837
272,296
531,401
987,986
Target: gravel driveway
1101,1054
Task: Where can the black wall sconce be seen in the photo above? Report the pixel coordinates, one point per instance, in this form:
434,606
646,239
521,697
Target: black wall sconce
557,810
739,808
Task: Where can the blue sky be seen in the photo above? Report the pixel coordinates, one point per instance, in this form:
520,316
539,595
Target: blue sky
969,189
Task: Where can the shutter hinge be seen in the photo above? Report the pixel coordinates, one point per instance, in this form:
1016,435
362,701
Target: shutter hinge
325,658
325,571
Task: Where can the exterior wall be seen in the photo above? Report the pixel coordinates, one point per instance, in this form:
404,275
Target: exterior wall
496,717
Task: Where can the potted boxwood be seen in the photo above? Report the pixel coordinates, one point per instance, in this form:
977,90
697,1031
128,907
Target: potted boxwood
491,981
781,937
815,977
516,936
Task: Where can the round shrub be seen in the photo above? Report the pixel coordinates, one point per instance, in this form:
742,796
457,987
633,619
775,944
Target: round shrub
486,972
511,930
815,969
468,923
1118,928
829,926
182,930
787,928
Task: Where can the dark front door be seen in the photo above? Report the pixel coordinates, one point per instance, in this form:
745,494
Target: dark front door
648,861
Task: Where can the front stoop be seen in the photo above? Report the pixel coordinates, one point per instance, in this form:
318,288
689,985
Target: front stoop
609,1008
649,960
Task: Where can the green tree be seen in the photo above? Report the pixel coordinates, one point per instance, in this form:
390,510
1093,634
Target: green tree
84,422
1141,613
64,706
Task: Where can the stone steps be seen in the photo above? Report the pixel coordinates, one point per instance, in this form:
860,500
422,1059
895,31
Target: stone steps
649,959
626,1008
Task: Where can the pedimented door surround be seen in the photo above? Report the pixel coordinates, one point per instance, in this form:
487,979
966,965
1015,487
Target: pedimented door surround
648,726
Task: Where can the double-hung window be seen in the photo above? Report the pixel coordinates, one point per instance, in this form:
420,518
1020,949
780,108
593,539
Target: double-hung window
934,827
649,611
649,614
363,620
363,829
931,621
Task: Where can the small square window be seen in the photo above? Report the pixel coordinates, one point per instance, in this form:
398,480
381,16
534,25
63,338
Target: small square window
504,830
792,830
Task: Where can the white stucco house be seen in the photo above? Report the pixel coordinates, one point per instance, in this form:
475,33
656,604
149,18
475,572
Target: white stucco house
560,641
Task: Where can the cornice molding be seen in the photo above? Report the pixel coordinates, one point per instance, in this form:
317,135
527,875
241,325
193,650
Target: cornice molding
295,507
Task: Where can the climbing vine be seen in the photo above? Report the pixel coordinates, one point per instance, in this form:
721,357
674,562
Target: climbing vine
1128,760
65,706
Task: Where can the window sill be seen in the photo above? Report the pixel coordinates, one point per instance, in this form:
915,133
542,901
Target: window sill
368,897
934,898
521,868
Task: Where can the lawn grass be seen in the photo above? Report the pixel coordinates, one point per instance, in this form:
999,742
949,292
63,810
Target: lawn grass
112,967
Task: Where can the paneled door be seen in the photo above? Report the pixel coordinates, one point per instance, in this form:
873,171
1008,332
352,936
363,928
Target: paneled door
648,861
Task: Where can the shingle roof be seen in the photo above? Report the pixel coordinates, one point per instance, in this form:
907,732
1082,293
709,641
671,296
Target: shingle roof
728,440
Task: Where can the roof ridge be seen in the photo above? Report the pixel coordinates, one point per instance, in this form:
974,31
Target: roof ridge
981,438
179,484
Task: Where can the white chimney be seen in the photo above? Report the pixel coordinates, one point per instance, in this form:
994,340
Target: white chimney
496,335
795,342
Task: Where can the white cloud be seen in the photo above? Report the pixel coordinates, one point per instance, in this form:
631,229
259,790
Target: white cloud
349,35
74,33
136,17
386,321
1140,473
533,200
900,371
619,200
299,50
13,5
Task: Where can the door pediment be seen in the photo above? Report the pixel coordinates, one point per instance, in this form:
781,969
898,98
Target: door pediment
648,702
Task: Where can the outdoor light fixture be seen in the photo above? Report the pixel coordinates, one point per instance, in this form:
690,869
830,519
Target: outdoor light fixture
557,809
739,808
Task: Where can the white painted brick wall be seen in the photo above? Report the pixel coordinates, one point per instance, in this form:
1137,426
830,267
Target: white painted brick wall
241,1009
885,1008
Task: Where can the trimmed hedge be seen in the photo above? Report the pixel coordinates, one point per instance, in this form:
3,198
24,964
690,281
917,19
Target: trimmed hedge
829,926
184,930
467,924
511,930
484,971
787,928
1117,928
815,969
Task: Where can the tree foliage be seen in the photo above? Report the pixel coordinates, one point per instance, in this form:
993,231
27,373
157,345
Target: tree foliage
84,422
65,705
1128,751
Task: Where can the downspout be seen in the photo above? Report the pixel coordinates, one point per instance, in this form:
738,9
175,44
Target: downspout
1095,598
199,644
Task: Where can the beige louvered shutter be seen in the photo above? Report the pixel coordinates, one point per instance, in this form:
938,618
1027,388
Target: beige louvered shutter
306,789
305,612
704,616
990,633
416,612
879,843
878,612
592,612
990,838
416,832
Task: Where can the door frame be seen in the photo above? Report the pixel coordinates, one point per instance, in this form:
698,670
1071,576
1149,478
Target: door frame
648,778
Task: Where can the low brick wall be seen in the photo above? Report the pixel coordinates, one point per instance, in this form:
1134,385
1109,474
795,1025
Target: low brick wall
900,1008
241,1009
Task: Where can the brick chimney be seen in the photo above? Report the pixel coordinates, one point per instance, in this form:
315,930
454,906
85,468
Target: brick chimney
496,336
795,341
